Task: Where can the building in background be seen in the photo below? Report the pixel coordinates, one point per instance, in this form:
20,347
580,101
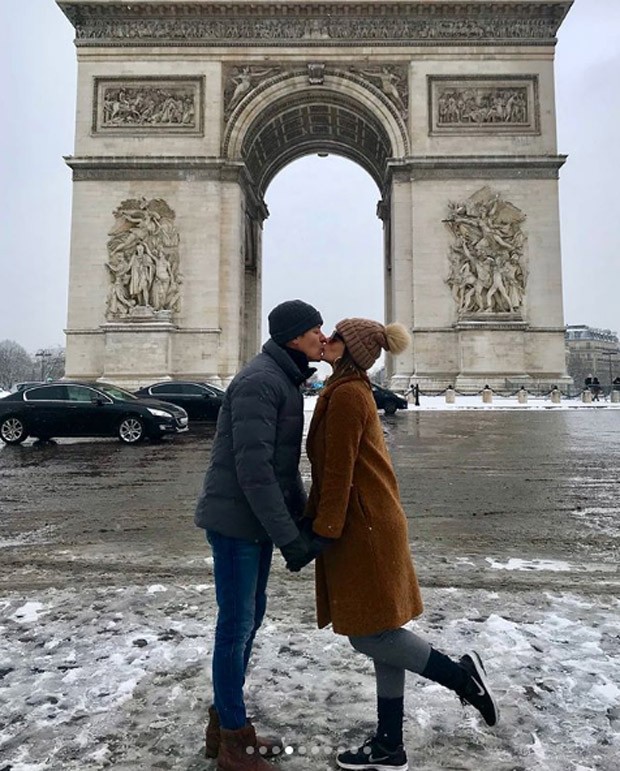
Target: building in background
592,352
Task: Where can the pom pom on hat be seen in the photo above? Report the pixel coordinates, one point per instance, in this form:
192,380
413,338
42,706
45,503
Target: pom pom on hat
364,339
397,336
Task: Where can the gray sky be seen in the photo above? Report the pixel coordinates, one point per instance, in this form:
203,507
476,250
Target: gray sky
322,241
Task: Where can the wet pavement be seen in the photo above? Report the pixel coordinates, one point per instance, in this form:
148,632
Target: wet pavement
107,605
482,491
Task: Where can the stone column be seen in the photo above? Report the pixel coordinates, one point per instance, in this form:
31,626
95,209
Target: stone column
232,279
400,368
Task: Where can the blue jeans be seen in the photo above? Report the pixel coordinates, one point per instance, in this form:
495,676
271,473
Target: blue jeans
241,571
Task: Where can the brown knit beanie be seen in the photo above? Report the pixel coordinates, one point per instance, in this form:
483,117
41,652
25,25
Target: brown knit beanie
365,339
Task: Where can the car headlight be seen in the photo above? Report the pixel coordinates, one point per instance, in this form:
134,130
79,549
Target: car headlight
159,413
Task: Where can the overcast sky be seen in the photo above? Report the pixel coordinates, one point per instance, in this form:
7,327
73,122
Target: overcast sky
322,240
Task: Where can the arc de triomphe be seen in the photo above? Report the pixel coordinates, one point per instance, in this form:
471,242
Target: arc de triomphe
187,109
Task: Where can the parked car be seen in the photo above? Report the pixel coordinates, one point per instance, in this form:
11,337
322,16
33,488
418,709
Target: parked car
388,401
201,401
86,409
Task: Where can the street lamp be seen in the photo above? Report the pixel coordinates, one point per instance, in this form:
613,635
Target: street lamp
43,354
609,354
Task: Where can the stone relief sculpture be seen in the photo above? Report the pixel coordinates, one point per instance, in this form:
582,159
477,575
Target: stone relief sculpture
487,268
256,23
499,104
392,82
148,107
143,262
241,81
481,106
148,104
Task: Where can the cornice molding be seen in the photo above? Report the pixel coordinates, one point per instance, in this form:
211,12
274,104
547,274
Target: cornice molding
154,167
477,167
101,23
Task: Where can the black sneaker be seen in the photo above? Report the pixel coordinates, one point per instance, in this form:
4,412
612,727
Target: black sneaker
371,755
477,692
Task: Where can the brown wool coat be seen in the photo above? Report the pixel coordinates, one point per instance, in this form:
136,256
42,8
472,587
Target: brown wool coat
365,581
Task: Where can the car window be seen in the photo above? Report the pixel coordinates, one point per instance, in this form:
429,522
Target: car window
195,390
218,391
78,393
117,393
46,393
167,388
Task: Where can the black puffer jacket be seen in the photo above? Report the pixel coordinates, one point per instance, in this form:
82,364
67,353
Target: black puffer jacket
253,488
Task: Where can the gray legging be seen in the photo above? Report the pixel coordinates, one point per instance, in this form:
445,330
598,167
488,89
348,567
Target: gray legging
393,652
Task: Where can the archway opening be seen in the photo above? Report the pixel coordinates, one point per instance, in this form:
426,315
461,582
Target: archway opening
323,241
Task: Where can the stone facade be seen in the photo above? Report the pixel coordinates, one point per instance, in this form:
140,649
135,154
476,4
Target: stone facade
187,110
592,352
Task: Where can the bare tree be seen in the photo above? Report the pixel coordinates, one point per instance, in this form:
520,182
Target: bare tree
15,364
55,368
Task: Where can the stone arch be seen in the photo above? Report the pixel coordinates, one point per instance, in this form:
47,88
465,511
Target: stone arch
448,104
285,118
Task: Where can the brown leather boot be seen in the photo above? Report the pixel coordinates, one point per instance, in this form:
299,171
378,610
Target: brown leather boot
239,752
270,745
212,734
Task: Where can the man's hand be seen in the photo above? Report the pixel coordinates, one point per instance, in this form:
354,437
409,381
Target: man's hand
303,550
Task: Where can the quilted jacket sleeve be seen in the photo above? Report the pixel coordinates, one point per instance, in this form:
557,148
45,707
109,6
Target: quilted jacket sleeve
254,422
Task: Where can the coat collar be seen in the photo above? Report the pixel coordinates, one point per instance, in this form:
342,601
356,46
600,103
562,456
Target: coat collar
323,401
328,390
284,361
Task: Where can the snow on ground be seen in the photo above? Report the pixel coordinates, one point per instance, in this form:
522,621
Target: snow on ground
119,678
474,402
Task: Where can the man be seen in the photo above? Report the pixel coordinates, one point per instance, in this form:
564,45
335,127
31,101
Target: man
252,498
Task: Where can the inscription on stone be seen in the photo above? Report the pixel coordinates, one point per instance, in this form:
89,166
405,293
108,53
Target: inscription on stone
472,105
148,105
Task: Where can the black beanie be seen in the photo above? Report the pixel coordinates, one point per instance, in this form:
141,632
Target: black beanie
291,319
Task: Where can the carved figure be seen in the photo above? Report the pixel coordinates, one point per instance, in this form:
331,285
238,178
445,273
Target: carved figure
149,106
482,105
487,273
160,288
143,260
244,81
390,83
141,274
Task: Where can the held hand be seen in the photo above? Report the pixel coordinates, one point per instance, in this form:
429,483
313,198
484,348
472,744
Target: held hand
303,550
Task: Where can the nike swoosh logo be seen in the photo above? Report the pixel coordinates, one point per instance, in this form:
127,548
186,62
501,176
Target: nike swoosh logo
372,759
481,690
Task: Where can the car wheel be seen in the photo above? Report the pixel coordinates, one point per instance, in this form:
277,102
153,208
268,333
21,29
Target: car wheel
131,430
390,408
13,430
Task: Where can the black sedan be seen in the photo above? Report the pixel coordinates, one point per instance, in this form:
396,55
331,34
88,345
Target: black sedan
388,401
201,401
86,409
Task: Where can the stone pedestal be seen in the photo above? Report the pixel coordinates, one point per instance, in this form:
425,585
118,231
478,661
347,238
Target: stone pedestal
586,396
136,354
450,396
556,396
522,396
487,396
615,397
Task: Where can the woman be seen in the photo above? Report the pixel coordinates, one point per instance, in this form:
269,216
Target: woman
366,586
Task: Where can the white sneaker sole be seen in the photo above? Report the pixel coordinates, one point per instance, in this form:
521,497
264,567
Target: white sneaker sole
372,766
481,675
